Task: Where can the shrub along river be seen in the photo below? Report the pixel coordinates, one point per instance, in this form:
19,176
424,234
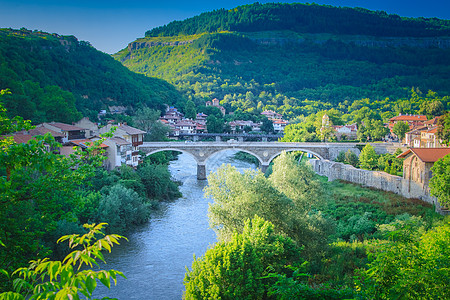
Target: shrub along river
155,258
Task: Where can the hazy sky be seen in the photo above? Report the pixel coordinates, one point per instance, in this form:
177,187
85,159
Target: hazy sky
110,25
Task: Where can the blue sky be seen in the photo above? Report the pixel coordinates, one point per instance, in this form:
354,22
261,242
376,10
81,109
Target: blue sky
110,25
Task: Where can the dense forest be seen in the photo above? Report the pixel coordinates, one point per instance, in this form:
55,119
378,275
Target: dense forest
310,59
310,18
58,78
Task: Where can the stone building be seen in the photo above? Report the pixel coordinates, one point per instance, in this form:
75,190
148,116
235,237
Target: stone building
418,162
216,103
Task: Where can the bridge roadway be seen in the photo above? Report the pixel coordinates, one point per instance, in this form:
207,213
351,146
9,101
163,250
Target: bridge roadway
263,151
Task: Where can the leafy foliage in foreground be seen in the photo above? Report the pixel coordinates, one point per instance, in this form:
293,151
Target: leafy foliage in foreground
71,277
440,182
236,269
409,265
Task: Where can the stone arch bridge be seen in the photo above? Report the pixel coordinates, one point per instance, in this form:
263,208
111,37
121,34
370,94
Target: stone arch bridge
263,151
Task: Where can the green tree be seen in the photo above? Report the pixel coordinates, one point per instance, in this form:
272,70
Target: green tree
147,119
238,197
189,110
157,182
400,129
301,132
440,182
444,129
296,181
214,124
410,265
267,126
236,269
368,158
122,208
46,279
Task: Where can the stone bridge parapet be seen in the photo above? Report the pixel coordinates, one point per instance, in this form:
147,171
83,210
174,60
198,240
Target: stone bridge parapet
265,152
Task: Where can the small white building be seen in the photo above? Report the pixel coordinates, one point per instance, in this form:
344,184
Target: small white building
279,125
349,131
120,152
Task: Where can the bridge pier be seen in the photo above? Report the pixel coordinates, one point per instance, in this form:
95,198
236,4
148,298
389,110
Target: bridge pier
195,138
201,171
218,139
264,167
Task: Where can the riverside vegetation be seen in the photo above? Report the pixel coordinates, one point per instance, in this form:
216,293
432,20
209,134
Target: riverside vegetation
288,235
44,195
292,235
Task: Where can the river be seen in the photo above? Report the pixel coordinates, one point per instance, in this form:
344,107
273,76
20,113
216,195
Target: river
155,258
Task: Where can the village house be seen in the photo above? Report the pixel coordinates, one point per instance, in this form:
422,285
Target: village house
90,128
120,152
186,126
130,134
279,125
418,162
240,125
429,139
133,135
69,132
346,132
424,136
172,115
412,120
201,118
271,115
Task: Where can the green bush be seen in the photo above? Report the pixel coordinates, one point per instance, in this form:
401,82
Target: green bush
236,269
122,208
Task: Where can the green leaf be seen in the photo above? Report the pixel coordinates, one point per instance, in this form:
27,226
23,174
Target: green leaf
11,296
91,284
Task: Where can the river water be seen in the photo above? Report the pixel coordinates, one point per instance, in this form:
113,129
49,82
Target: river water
155,258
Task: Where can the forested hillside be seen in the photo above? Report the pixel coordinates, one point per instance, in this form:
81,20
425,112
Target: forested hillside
296,58
58,78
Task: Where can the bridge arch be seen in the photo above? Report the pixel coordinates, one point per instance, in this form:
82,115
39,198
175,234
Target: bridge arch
172,149
237,149
293,150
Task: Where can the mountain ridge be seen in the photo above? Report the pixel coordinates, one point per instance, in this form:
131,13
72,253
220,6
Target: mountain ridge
40,68
300,17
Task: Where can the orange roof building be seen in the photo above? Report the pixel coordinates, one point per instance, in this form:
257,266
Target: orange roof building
418,162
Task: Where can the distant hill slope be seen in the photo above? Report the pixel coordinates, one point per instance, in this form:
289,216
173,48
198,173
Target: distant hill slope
301,18
58,78
295,58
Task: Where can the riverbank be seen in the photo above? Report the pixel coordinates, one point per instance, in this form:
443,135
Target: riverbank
157,254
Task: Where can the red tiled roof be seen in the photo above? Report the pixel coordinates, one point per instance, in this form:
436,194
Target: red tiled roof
421,118
433,121
86,143
22,138
19,138
65,127
41,130
427,154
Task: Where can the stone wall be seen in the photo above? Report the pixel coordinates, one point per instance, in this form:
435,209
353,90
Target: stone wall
375,179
